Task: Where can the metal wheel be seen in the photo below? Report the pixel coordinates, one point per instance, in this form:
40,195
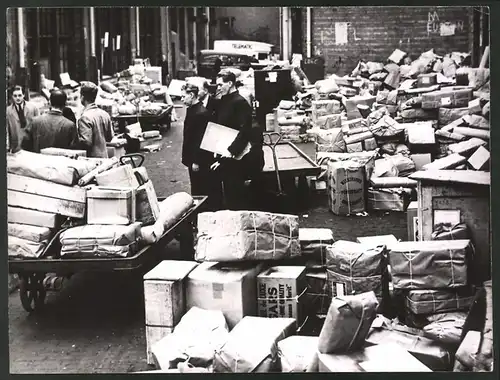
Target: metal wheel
32,291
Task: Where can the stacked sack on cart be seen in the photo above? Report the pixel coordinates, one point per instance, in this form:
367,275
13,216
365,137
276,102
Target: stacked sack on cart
91,207
268,296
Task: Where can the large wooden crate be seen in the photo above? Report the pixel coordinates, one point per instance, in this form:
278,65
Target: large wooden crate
468,192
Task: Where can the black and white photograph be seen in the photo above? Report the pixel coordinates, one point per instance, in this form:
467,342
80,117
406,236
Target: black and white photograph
248,189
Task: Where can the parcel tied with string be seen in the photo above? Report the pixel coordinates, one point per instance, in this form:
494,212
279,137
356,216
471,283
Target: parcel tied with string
252,346
430,264
432,301
346,187
313,243
354,268
347,323
247,236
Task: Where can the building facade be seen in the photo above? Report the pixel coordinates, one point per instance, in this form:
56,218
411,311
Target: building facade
82,41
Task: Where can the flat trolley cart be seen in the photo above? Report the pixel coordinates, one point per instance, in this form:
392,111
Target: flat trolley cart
32,271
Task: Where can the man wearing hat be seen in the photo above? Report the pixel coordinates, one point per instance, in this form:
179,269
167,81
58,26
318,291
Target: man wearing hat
233,111
94,126
53,129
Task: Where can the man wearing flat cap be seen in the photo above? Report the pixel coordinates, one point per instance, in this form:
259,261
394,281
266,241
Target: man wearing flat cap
94,126
233,111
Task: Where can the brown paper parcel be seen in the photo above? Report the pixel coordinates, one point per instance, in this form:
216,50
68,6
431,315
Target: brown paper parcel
24,248
429,264
354,268
427,351
347,323
313,243
346,187
432,301
246,235
252,345
317,297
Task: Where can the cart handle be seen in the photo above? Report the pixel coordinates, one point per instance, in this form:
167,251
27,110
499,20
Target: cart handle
272,139
131,158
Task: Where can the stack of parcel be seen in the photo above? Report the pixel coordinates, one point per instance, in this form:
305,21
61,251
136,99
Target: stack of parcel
95,208
267,296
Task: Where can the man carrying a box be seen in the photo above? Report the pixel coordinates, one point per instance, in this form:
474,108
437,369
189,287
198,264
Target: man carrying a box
95,128
233,111
52,130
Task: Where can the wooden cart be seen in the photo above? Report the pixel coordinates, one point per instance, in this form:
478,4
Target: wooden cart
32,271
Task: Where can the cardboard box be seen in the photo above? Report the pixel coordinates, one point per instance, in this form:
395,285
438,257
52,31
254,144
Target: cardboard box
449,162
346,187
153,335
433,301
107,205
328,121
419,114
147,205
279,293
426,80
32,233
70,153
114,151
480,160
374,241
313,243
370,144
33,217
40,195
420,160
229,288
165,293
122,176
421,139
353,124
380,358
475,106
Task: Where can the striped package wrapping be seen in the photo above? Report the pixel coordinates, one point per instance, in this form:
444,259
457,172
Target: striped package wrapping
429,264
313,244
432,301
247,236
354,268
100,241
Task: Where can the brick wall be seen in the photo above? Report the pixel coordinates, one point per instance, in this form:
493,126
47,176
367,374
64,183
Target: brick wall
374,32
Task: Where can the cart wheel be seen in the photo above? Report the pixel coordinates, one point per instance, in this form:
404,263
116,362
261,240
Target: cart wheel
32,292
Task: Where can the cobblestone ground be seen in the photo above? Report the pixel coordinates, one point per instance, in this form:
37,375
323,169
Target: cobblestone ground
96,323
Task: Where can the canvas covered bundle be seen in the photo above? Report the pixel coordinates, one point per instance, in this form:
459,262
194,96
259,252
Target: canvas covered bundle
432,301
429,264
22,248
354,268
93,240
389,199
247,235
347,323
251,346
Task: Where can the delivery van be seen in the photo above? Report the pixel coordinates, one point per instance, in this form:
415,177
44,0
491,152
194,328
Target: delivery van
260,50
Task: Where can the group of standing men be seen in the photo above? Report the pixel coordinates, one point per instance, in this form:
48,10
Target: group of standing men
58,128
223,178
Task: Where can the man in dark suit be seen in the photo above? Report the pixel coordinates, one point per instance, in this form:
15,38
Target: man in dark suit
53,130
197,160
208,101
233,111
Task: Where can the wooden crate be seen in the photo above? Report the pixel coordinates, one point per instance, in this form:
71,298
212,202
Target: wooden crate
153,335
468,192
106,205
